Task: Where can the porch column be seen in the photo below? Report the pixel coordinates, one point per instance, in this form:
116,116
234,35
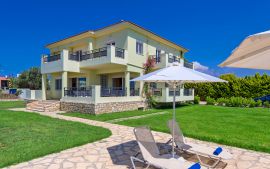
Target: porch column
127,83
44,86
64,82
141,85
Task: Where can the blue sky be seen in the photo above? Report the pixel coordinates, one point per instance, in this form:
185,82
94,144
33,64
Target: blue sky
210,29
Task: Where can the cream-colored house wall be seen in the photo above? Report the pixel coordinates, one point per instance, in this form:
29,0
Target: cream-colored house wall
149,48
120,39
82,44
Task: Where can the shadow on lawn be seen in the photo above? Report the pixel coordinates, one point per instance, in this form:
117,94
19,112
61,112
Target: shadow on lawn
120,155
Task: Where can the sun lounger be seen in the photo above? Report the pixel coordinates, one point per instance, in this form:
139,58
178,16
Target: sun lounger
151,154
180,144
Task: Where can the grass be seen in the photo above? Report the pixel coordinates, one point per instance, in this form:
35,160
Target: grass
112,116
241,127
11,104
25,136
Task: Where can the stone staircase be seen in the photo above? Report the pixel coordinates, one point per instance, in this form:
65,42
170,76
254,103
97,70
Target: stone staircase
43,106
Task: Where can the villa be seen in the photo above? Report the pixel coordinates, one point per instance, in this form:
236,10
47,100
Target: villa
90,72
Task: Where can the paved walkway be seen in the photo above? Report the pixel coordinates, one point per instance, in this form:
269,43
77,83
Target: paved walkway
136,117
114,152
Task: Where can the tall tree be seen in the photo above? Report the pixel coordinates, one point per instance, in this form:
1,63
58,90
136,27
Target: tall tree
30,79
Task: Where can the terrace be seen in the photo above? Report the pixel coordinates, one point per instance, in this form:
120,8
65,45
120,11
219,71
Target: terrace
73,61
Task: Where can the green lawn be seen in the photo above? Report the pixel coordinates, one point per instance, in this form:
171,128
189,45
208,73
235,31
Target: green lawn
25,136
112,116
241,127
11,104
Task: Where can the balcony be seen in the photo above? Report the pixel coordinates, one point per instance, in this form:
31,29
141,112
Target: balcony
113,92
96,53
172,59
73,61
188,64
78,92
96,94
51,58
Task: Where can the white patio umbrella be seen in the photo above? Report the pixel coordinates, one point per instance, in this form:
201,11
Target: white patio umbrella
253,53
176,75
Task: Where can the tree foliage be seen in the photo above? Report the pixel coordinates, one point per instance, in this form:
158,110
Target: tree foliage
247,87
148,67
29,79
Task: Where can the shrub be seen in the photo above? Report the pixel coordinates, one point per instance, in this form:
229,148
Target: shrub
258,103
235,102
252,103
196,100
210,101
222,101
266,104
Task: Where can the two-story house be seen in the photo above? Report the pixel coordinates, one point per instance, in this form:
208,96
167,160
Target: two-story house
91,71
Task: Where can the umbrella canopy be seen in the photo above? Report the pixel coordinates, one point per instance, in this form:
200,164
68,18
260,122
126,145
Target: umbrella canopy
253,53
177,75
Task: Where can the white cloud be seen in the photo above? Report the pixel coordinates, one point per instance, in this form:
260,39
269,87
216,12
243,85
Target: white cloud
198,66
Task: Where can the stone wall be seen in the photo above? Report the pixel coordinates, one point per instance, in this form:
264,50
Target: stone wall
101,108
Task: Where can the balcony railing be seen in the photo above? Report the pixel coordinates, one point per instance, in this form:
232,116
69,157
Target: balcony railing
188,92
96,53
120,53
156,91
173,59
177,92
78,92
113,92
188,64
134,92
51,58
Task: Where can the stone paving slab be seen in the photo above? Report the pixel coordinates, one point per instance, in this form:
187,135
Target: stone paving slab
114,152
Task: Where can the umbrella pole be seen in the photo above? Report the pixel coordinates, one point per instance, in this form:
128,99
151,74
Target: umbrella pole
174,88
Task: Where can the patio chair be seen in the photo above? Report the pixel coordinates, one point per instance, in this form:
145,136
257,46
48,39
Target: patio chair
151,154
182,146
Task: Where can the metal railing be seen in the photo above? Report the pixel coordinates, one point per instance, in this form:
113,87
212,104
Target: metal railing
188,64
177,92
120,53
96,53
188,92
173,59
78,91
51,58
113,92
156,92
134,92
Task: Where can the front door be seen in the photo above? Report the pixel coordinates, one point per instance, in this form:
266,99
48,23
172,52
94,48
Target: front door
74,82
118,83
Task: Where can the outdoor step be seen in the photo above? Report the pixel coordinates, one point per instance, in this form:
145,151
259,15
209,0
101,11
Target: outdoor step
44,106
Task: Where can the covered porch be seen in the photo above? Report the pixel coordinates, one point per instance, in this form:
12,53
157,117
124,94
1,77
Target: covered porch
107,81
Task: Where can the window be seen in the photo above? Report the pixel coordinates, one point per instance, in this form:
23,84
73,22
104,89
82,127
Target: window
158,52
58,84
139,48
82,82
153,85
